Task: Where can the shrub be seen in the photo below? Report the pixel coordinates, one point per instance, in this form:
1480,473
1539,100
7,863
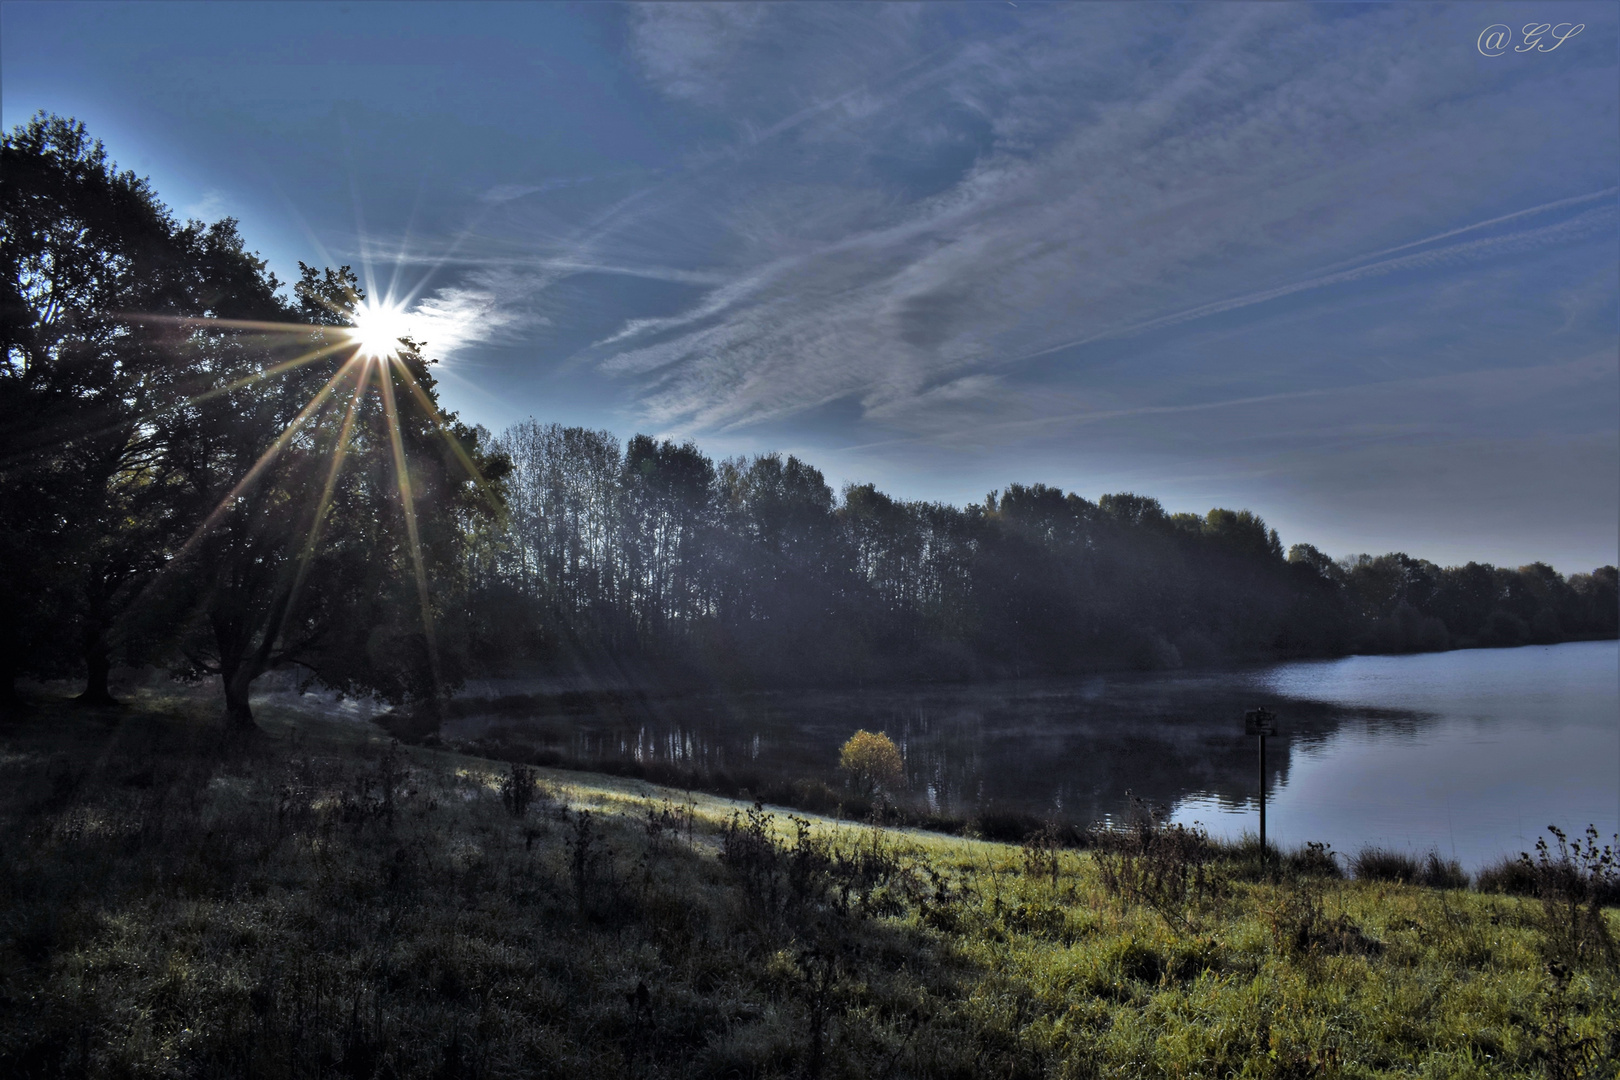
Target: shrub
1041,854
872,761
1513,876
848,878
1312,860
517,790
1381,864
1441,873
1301,927
1243,860
586,854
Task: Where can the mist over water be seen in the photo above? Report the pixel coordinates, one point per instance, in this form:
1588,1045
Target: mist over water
1472,752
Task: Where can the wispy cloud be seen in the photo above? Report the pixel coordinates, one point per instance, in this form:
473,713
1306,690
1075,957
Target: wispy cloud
452,319
210,207
1085,173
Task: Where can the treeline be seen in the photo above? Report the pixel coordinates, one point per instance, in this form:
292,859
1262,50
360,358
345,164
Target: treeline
651,560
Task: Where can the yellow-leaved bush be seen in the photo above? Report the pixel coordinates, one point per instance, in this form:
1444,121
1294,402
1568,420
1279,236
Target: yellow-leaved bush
872,761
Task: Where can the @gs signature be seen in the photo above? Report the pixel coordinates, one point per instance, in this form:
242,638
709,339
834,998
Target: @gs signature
1497,38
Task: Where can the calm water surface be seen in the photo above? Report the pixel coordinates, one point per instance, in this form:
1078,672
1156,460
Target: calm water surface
1496,745
1472,753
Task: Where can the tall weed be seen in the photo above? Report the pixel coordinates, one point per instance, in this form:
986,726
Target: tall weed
1573,884
1167,867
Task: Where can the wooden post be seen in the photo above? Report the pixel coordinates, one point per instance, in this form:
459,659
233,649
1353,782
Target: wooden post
1260,723
1262,795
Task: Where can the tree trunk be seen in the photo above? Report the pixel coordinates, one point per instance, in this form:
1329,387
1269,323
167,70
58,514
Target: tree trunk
10,700
98,667
238,714
237,670
236,673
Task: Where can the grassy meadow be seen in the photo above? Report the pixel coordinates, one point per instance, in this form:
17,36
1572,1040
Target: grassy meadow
321,901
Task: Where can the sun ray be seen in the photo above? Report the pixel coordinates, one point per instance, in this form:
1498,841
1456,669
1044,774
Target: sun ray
209,320
466,233
270,372
195,399
454,443
264,462
408,504
340,452
405,240
361,233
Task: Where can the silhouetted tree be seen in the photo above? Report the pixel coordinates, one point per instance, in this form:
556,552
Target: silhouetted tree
338,512
668,520
90,261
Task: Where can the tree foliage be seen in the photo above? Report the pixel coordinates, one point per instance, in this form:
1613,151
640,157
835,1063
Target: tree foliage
195,470
872,761
308,557
85,490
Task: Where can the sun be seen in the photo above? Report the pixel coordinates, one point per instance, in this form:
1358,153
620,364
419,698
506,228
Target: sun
377,330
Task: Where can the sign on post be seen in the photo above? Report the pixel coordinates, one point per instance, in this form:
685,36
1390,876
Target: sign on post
1261,722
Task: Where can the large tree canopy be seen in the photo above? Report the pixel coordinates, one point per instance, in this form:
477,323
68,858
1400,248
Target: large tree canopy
194,468
89,263
337,500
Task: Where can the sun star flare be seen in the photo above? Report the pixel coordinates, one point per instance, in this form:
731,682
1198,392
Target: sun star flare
377,330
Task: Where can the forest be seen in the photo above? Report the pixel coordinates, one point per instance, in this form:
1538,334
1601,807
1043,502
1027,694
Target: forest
205,472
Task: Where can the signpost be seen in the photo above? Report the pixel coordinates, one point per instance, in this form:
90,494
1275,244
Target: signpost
1260,723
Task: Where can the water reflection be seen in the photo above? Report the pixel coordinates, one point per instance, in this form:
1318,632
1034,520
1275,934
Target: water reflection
1506,742
1472,753
1063,749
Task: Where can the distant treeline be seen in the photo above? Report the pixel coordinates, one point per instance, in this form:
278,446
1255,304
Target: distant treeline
653,560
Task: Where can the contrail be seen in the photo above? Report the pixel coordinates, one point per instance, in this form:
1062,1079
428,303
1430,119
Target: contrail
1557,204
1575,228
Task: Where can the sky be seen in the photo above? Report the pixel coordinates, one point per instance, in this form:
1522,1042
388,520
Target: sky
1355,267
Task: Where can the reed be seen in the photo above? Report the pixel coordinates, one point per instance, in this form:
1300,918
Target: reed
1430,870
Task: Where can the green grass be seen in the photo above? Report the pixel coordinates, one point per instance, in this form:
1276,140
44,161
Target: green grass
320,902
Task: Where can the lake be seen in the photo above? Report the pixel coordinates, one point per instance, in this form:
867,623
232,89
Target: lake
1471,753
1497,744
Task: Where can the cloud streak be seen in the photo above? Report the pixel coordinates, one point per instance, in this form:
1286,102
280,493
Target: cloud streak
1060,184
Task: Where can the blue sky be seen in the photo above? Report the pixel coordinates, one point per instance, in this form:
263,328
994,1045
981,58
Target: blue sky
1327,262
